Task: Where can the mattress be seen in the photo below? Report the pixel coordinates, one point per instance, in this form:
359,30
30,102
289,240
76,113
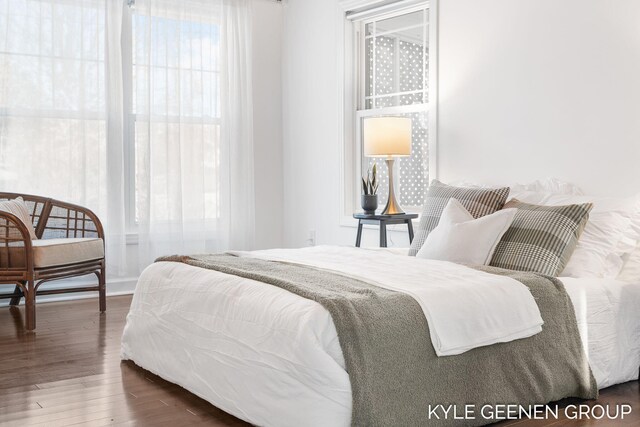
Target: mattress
271,357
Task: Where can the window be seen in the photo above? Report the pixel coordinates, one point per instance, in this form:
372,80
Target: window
137,109
393,80
52,98
175,113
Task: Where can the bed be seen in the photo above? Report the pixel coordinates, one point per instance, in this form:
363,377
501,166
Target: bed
271,357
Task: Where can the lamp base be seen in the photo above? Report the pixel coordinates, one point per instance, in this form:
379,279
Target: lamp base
392,207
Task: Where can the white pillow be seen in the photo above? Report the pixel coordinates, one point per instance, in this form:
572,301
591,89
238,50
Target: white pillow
18,208
608,237
631,270
548,185
461,238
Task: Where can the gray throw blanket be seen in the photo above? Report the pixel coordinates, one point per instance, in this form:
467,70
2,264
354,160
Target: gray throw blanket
393,369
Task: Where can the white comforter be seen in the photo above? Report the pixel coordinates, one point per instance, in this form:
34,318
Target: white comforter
273,358
464,308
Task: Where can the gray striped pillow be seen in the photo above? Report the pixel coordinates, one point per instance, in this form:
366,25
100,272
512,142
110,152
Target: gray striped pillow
541,238
478,201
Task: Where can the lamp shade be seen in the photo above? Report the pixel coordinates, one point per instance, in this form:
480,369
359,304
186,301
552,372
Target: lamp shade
387,136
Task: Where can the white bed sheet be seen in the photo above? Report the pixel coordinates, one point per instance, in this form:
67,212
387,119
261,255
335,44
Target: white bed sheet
273,358
608,316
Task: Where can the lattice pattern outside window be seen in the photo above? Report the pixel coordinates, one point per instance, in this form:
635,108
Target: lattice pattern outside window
396,60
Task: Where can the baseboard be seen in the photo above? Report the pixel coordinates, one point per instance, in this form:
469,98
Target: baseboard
123,286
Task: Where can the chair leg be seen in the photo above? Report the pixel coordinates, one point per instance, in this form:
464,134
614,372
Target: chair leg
102,288
18,295
30,305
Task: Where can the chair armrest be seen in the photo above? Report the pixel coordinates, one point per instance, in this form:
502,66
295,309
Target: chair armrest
14,234
69,220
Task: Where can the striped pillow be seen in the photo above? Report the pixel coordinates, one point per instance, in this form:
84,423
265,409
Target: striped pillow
18,208
478,201
541,238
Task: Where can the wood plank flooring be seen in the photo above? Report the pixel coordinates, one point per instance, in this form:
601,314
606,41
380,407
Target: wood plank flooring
69,373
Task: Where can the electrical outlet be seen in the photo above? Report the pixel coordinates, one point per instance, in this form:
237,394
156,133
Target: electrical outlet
311,238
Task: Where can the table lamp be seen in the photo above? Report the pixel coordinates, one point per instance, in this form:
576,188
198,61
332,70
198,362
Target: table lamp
388,137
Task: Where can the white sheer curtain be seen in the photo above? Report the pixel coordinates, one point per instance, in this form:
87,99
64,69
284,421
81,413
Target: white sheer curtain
53,109
237,125
143,115
193,126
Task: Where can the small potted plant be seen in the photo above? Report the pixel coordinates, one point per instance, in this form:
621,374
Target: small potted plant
369,198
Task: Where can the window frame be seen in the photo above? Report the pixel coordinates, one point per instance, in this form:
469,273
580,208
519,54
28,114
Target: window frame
352,98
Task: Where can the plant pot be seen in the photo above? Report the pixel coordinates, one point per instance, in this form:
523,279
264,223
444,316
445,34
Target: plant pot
369,203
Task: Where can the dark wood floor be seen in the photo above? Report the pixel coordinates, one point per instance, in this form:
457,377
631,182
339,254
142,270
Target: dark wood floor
69,372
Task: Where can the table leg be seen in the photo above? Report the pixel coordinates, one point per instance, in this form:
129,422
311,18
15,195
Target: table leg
359,235
383,234
410,227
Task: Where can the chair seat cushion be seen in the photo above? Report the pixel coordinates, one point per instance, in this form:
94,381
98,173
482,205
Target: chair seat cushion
52,252
55,252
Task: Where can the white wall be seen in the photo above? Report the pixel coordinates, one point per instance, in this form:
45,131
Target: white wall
527,90
267,122
311,153
538,88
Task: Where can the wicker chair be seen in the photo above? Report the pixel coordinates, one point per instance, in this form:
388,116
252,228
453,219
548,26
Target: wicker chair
70,243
